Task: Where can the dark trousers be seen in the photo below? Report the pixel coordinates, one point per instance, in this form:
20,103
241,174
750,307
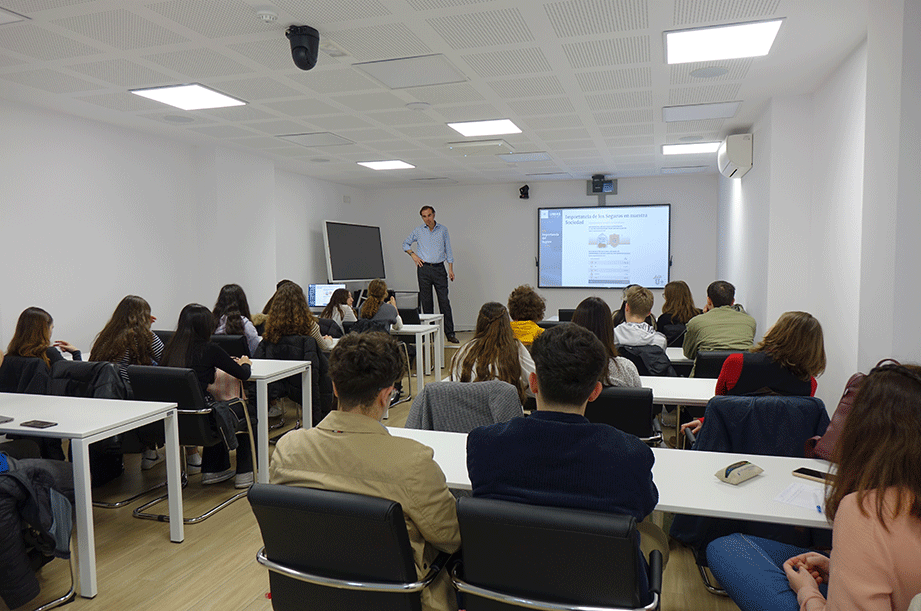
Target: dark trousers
435,276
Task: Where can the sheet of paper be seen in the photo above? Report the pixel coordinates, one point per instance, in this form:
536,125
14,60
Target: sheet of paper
807,496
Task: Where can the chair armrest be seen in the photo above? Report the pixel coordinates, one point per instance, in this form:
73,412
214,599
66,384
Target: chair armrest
346,584
653,441
194,412
655,571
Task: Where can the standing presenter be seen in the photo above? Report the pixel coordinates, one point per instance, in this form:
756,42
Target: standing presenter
434,246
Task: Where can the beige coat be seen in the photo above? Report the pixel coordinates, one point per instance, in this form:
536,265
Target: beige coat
351,452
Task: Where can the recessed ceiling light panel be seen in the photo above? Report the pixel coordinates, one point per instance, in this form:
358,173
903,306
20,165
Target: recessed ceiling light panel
690,149
395,164
189,97
495,127
721,42
700,112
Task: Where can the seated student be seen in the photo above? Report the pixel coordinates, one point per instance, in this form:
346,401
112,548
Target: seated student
127,340
231,313
724,325
595,315
32,338
786,362
874,503
292,333
351,451
191,347
378,308
493,353
634,331
339,309
677,310
260,318
556,457
620,314
526,308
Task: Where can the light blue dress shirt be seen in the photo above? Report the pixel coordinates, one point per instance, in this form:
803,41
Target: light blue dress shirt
434,244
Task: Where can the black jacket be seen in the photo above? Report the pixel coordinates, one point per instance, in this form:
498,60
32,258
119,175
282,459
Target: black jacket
298,348
25,496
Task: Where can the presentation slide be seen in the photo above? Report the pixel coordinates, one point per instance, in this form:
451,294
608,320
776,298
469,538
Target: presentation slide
318,295
604,247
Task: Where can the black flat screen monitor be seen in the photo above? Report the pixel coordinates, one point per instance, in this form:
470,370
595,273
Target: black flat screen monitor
353,252
604,246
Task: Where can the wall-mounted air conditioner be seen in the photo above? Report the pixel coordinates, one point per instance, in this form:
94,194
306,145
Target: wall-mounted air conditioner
734,157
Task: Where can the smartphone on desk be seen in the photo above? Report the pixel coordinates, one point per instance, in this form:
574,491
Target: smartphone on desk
39,424
816,476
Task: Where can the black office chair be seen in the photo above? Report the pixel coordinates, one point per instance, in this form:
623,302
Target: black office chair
337,550
526,556
709,362
460,407
627,409
102,380
234,345
548,324
197,422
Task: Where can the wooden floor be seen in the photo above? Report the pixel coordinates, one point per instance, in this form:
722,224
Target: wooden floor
139,569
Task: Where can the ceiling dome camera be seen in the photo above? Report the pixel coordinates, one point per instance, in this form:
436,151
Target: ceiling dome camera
305,43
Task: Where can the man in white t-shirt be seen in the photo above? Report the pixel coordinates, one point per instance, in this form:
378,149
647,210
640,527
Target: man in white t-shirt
634,331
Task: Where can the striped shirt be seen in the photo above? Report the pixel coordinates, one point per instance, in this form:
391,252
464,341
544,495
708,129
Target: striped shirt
434,244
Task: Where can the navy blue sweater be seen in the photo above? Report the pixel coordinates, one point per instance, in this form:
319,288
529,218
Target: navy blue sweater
562,460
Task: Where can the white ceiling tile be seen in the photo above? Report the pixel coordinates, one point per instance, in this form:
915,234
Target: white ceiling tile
556,135
339,80
302,108
446,94
612,51
254,89
508,63
528,87
123,73
702,94
237,113
608,80
196,64
370,101
553,122
683,127
477,112
710,12
52,81
639,115
317,13
619,99
337,122
31,7
212,19
121,29
428,5
273,53
223,131
276,127
588,17
35,41
616,131
542,106
124,101
400,117
482,29
736,70
375,42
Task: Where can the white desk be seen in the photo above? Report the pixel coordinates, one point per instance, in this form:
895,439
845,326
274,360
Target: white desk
676,355
685,480
680,391
439,321
264,371
422,332
84,421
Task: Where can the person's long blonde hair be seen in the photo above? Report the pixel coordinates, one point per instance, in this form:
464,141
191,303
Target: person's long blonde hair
492,354
289,314
127,334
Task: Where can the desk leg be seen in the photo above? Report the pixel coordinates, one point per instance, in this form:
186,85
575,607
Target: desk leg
262,416
306,399
86,544
439,349
174,477
420,369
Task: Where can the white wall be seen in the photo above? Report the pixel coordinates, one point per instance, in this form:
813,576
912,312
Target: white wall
494,235
794,219
91,212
